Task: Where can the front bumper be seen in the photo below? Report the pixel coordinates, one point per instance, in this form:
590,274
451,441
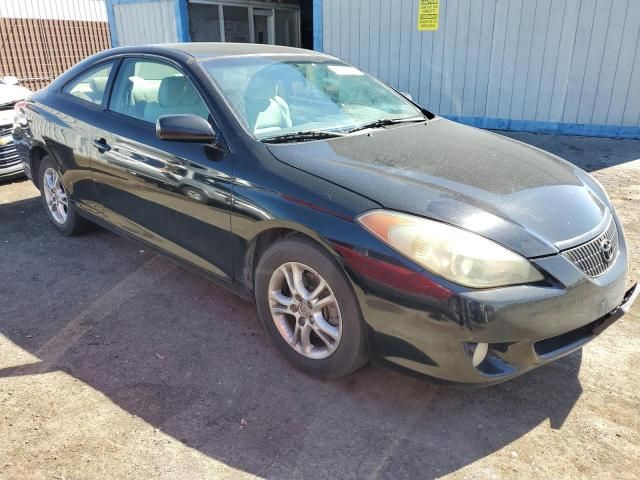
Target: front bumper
11,171
525,326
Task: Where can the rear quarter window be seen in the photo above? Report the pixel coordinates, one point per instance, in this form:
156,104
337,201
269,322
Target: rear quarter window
90,86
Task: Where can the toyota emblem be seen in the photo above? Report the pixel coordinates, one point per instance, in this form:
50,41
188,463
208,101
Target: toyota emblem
606,250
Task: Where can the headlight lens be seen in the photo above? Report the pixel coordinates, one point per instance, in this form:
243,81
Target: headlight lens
19,118
453,253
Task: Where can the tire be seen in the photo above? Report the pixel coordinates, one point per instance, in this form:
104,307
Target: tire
65,218
321,358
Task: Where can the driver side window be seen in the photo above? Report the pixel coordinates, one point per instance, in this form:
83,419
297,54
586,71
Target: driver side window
147,89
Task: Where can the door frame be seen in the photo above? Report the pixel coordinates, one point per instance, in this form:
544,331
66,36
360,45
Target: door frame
271,23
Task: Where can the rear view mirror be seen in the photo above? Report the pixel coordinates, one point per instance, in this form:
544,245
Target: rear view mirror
185,128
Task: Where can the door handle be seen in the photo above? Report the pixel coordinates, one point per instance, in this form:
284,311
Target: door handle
101,145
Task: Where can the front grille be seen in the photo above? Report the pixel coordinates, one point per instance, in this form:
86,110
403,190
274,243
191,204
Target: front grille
8,106
597,255
8,153
8,156
554,346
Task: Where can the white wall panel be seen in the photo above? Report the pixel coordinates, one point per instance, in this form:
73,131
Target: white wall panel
85,10
144,23
472,52
623,77
552,61
608,68
550,65
485,53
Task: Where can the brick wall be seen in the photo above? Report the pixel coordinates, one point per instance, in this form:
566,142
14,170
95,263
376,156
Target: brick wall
38,50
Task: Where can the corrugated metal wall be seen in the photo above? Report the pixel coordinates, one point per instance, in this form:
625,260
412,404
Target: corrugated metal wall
85,10
145,22
544,65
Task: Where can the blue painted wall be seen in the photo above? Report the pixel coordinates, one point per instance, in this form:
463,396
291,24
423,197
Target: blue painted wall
317,25
113,32
562,66
182,20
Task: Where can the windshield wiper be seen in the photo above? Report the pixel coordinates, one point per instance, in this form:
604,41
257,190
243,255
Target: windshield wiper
300,136
385,122
320,134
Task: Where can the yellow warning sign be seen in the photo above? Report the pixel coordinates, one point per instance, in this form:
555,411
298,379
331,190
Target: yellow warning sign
428,12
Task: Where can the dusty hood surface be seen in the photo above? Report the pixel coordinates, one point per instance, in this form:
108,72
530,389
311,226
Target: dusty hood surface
515,194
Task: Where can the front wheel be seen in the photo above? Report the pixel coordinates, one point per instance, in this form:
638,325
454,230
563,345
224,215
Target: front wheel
309,309
57,203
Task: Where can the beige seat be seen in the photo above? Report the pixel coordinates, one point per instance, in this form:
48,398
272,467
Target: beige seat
141,94
175,95
97,86
265,110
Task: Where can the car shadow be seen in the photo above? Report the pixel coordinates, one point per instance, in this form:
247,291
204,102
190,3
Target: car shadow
192,360
589,153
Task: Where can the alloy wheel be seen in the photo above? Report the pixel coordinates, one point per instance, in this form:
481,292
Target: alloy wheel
55,196
305,310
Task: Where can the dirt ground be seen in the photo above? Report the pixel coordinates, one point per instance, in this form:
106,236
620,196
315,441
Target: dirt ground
116,363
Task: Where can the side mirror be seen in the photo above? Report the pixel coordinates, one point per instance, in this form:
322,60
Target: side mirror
185,128
407,95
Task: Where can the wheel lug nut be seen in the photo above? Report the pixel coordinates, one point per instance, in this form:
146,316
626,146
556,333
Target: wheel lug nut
294,307
298,298
301,322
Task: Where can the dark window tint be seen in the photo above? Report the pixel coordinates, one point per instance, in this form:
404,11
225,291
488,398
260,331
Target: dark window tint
236,24
204,23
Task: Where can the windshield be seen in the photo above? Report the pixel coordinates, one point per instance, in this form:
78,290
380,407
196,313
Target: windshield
280,97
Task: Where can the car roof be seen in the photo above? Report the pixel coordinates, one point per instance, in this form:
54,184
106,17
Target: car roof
196,51
212,50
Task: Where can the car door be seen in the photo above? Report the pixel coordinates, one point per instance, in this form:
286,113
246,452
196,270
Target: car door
173,195
73,114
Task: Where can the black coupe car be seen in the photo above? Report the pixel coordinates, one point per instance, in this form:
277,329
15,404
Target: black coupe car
364,226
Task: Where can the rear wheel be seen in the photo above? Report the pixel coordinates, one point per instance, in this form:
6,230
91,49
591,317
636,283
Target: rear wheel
309,309
57,202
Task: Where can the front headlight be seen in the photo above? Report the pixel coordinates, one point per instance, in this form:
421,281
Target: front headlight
453,253
19,117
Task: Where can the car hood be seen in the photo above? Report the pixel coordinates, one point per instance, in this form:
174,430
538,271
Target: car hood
10,94
517,195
